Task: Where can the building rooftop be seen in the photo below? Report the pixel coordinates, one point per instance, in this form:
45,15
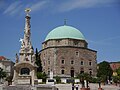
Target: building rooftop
2,58
63,32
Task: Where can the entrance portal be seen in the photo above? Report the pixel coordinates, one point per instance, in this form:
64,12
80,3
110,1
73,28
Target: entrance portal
72,73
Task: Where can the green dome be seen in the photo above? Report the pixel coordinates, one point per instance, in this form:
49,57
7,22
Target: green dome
63,32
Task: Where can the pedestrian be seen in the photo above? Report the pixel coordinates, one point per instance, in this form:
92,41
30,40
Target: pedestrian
72,86
77,87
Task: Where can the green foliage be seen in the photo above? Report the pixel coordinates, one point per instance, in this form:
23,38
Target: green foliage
94,80
9,78
58,79
104,71
38,61
42,75
115,79
2,73
84,76
118,71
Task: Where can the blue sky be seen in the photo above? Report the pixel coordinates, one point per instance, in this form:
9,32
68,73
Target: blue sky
98,20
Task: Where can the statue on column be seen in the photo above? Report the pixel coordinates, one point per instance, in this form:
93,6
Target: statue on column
27,27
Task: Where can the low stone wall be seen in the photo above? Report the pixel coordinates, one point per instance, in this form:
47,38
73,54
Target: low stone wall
46,87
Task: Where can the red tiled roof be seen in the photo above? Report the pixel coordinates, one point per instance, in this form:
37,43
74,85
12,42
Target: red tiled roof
2,58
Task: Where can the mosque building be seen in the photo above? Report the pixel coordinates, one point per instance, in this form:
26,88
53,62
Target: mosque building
65,52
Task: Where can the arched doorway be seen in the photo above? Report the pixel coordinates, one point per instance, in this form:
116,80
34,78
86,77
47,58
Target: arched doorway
81,70
72,72
25,71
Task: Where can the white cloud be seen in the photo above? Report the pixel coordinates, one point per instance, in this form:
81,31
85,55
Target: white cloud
106,41
17,10
37,6
74,4
11,9
18,7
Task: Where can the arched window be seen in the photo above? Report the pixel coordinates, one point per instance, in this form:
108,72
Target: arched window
62,71
63,61
82,70
82,63
25,71
72,62
90,63
90,73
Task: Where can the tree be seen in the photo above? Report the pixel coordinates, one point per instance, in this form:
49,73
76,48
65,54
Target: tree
84,76
42,75
118,71
2,74
9,79
58,80
38,61
117,77
104,71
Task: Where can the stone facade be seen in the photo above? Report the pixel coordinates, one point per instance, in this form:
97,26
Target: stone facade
67,57
6,65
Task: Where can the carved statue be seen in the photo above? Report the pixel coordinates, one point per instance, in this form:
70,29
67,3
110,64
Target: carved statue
17,58
22,43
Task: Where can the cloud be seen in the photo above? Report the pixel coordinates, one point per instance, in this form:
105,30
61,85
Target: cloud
19,6
75,4
17,10
12,7
106,41
37,6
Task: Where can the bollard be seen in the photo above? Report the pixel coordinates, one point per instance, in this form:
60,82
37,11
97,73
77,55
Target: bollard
100,89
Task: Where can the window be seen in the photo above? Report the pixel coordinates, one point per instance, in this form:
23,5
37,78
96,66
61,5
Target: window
63,61
81,62
62,71
72,62
48,62
48,72
77,53
81,70
90,63
90,73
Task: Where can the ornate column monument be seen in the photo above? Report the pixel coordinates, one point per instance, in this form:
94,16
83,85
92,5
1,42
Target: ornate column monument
25,68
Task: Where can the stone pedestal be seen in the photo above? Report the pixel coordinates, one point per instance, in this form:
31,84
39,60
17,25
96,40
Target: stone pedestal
84,88
100,89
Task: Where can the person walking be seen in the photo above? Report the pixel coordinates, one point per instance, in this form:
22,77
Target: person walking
72,86
77,87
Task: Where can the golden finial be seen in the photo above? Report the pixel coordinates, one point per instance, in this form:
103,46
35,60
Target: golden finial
27,10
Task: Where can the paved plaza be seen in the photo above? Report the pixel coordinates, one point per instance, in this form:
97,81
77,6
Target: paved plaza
66,87
92,87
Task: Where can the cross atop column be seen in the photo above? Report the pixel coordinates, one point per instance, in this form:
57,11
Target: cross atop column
27,10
